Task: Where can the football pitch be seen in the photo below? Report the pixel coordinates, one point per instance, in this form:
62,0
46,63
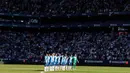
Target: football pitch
80,69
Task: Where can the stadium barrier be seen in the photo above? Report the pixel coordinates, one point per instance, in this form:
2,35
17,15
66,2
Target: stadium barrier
1,61
81,62
104,63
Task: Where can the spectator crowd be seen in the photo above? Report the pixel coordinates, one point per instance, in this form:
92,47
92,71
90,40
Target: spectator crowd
32,46
61,7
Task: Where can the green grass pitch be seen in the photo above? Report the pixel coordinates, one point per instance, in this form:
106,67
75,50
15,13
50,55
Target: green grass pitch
80,69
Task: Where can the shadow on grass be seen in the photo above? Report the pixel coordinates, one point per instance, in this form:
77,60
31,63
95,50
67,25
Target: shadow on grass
38,70
62,71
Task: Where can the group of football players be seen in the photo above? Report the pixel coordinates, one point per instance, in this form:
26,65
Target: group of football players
58,62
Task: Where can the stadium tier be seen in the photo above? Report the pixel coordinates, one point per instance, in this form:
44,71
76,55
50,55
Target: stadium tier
61,7
28,46
95,31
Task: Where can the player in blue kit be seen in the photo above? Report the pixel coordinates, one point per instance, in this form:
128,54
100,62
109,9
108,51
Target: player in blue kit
62,62
55,62
66,62
58,61
49,60
46,62
52,62
50,66
70,62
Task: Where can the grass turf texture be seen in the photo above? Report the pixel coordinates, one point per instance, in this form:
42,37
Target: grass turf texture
80,69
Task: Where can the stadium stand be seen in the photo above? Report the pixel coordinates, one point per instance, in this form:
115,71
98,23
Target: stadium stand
31,46
27,46
61,7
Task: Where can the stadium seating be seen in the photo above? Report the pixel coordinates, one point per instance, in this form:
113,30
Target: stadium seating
61,7
31,46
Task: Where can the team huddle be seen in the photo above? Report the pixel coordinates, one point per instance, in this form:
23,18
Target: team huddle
58,62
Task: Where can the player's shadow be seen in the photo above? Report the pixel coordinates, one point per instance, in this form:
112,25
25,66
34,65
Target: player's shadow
38,70
61,71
